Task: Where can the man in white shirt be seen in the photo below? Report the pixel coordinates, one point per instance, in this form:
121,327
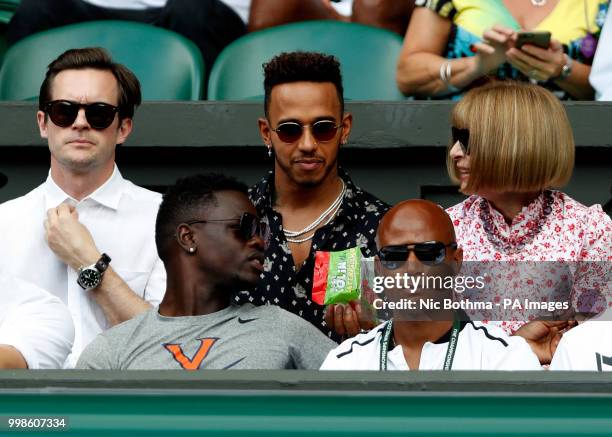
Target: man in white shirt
210,24
36,330
417,237
63,234
586,347
601,73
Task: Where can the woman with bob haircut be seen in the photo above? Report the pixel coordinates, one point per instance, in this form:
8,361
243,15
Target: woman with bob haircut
512,149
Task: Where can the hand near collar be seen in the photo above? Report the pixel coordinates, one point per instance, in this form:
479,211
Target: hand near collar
72,243
68,238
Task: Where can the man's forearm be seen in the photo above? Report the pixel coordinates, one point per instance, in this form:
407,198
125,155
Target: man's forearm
11,358
117,299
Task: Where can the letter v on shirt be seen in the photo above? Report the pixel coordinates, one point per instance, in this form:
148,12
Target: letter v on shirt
191,363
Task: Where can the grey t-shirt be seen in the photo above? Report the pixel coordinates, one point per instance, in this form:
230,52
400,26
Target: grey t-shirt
237,337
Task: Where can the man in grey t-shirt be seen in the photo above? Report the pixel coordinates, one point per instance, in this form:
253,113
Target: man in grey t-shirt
211,242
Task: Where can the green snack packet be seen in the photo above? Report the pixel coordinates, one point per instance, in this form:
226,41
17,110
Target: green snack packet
337,276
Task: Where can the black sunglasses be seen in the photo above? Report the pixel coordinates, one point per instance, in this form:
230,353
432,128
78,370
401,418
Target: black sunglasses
429,253
463,136
249,227
63,113
322,131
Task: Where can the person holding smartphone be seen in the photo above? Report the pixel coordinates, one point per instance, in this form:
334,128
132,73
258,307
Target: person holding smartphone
450,45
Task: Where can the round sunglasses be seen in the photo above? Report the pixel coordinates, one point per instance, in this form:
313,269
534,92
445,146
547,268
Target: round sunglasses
292,131
63,113
249,227
428,252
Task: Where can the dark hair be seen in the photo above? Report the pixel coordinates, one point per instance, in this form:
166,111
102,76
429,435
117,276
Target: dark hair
302,66
98,59
185,199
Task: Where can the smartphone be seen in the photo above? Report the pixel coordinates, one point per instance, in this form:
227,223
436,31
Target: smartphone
540,39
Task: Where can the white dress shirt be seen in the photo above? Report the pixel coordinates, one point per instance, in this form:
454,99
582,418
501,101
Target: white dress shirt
479,347
121,218
35,323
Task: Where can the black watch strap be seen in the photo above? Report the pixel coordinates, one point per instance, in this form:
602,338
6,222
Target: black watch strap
103,263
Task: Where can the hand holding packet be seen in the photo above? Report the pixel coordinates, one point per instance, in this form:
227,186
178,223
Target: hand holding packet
337,276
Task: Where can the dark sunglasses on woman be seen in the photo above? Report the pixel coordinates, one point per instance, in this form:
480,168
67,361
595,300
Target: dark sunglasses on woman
463,136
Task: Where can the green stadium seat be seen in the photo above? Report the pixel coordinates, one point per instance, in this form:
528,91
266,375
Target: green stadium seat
169,66
2,38
9,4
368,56
7,8
5,16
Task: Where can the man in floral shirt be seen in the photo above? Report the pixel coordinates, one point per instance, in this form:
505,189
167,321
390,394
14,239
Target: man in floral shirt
309,202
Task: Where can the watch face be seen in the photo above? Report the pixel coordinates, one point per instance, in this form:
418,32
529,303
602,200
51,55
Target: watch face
89,278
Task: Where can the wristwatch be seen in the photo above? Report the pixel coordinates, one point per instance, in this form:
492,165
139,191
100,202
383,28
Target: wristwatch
91,276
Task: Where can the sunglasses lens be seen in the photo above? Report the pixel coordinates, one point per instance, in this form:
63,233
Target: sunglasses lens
324,130
430,253
247,224
251,226
63,114
393,258
289,132
463,137
100,115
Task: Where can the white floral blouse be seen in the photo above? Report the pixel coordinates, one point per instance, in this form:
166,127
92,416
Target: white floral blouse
554,227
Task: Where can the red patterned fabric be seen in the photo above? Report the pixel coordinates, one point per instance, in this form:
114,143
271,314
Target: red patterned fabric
568,232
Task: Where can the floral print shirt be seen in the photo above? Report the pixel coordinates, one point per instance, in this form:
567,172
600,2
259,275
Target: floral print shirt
290,288
570,232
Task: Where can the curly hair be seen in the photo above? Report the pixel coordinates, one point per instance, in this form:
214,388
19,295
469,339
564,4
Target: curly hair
187,198
302,66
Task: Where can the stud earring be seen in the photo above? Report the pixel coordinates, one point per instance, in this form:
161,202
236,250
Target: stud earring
192,250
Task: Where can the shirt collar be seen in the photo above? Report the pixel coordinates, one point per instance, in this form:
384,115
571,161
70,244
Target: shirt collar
108,194
261,194
464,319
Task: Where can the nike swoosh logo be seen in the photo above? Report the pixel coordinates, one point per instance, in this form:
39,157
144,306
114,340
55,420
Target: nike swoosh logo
229,366
245,320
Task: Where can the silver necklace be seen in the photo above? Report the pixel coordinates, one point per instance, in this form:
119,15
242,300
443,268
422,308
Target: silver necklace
301,240
291,235
539,2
